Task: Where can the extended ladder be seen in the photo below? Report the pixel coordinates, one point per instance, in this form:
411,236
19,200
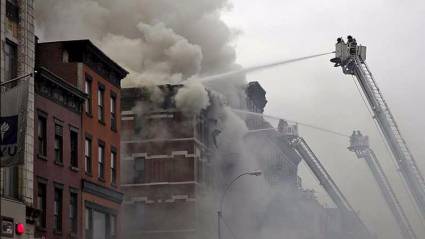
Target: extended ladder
359,144
351,57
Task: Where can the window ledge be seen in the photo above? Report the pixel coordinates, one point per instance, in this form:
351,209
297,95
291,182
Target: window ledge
88,174
89,115
59,163
101,179
42,157
57,232
75,169
102,122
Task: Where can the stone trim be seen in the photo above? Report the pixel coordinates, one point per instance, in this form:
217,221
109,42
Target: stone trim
102,192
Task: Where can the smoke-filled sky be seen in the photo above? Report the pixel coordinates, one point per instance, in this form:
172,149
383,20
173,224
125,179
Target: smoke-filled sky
315,92
169,40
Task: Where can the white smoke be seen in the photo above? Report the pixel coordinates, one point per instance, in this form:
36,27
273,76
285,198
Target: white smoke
192,97
167,42
158,42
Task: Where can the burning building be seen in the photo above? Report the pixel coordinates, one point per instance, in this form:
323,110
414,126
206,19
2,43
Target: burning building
164,152
175,167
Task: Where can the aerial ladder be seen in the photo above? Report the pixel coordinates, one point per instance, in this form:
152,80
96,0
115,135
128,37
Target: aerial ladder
352,58
307,155
359,144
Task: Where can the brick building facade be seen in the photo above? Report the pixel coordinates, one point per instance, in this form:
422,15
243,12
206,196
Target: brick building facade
87,68
163,152
57,156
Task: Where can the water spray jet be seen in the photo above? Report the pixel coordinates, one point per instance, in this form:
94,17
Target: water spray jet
259,67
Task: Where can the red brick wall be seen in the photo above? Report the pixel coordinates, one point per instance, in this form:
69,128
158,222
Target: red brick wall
103,132
48,169
50,56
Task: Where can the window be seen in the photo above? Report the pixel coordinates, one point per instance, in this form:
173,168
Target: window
74,148
88,223
12,10
100,104
139,164
112,225
10,182
11,61
87,90
99,224
73,211
57,213
41,205
101,161
87,155
65,56
58,144
41,136
113,167
113,113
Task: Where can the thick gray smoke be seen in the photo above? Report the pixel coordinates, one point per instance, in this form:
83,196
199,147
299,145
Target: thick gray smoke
161,41
168,42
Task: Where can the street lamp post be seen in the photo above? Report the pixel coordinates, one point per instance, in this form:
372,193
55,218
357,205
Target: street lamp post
219,212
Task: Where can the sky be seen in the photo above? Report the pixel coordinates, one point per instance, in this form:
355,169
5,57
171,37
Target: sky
315,92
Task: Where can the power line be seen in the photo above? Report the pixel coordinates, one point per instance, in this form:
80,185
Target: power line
291,121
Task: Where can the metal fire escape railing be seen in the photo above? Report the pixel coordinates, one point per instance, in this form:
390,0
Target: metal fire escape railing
359,144
352,59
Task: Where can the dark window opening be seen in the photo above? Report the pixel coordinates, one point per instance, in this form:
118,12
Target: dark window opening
12,10
10,177
88,155
41,205
87,90
73,211
58,143
113,167
100,105
41,136
11,62
74,148
101,161
139,164
57,213
113,113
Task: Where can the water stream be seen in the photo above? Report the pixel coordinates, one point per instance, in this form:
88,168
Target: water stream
258,67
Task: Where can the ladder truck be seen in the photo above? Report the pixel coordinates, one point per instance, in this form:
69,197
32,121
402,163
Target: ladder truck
353,224
359,144
352,59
